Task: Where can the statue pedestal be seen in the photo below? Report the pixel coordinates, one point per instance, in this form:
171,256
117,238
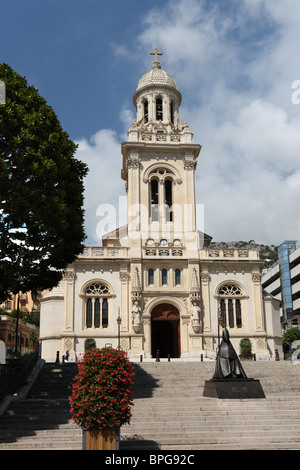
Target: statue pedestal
233,388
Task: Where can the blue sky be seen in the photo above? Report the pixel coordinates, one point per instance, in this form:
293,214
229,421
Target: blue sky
234,62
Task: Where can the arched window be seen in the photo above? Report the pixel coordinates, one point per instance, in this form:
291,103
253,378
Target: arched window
146,115
161,194
150,277
230,311
159,109
96,305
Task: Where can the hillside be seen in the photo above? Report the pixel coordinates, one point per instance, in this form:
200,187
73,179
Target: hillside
266,252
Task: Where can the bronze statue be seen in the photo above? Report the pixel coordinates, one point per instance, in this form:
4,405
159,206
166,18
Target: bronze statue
228,365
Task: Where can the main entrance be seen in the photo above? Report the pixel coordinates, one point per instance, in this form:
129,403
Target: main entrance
165,331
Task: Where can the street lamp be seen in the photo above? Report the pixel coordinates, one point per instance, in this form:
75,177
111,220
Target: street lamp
17,325
119,319
34,295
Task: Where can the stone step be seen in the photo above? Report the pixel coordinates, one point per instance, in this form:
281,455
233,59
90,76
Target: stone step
169,411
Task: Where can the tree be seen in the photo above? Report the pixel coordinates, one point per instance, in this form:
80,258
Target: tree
41,191
290,335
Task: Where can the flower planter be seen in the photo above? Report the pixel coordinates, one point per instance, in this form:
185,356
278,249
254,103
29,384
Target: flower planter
246,357
102,397
101,439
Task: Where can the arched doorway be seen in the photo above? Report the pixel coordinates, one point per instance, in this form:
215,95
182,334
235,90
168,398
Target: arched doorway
165,330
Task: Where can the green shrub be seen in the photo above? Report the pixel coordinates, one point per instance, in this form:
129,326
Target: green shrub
291,335
245,346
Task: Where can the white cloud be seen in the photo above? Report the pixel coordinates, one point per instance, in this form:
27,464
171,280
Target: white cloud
235,70
234,66
103,184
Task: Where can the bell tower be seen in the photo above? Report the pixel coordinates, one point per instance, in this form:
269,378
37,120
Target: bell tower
159,162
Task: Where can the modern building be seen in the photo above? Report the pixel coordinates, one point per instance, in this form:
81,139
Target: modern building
155,284
282,280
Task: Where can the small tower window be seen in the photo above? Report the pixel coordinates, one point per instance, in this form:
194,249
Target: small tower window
159,110
177,277
150,277
146,118
164,277
172,112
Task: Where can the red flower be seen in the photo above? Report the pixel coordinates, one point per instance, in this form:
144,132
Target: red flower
102,390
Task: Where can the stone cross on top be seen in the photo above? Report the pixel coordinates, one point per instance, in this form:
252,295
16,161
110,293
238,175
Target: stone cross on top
156,62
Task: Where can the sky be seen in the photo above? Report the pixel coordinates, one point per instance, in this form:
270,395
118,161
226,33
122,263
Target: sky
236,64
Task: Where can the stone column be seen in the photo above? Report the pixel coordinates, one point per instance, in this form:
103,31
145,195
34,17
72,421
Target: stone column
124,301
146,318
258,302
184,334
134,204
68,333
205,307
69,277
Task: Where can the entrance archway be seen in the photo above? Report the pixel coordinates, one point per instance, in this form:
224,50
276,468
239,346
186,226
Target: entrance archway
165,330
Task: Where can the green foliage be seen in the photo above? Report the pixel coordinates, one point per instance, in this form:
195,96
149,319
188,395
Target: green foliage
245,346
290,335
29,317
269,253
41,191
89,343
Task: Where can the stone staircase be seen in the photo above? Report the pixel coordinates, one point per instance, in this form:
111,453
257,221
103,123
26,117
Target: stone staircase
169,413
42,420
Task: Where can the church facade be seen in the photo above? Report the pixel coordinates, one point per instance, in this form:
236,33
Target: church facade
155,284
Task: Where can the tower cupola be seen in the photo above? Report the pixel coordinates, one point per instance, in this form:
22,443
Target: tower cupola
157,100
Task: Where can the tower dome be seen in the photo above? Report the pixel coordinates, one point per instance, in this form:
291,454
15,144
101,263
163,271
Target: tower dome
157,100
156,77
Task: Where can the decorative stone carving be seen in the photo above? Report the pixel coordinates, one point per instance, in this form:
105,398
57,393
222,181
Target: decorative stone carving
190,164
124,276
195,314
256,277
69,275
204,278
133,162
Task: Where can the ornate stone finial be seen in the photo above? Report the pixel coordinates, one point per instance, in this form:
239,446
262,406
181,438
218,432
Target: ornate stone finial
156,63
136,288
195,283
136,283
195,287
